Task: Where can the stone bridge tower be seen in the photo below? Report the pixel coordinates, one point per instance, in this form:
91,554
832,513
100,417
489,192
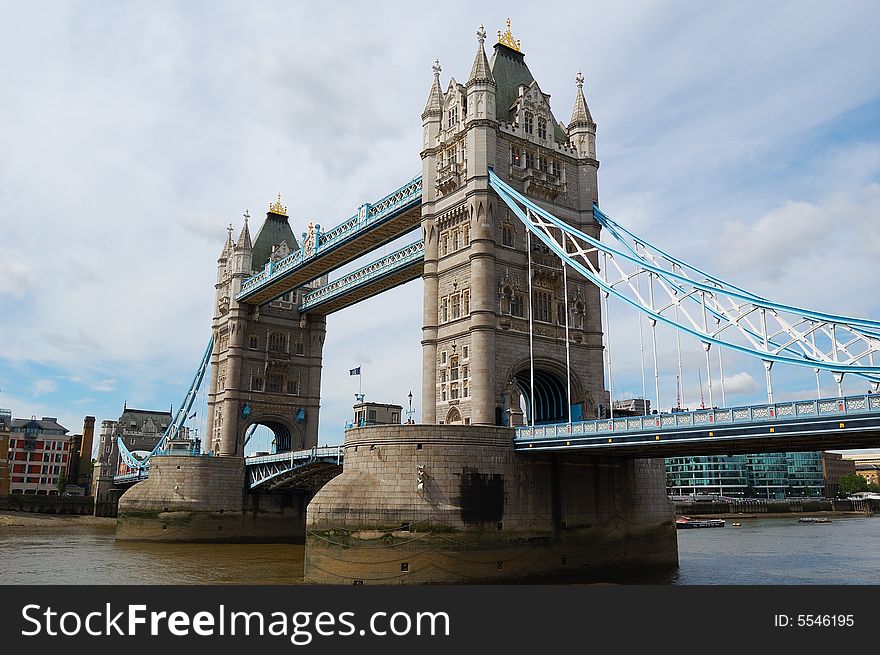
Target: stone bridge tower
476,365
266,362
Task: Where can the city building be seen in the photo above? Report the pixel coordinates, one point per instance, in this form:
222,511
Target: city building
866,465
39,456
765,475
834,467
5,420
139,429
367,413
632,407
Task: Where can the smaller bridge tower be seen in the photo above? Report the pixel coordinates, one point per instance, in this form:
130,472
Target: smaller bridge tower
266,362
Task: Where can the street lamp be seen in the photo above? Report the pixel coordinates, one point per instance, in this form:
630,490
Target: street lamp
410,411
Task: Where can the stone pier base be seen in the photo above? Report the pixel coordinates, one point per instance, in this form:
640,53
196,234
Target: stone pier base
455,504
192,499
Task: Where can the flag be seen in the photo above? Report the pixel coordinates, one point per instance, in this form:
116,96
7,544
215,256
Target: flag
355,371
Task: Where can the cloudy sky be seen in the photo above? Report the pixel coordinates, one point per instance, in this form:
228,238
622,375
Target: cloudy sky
743,137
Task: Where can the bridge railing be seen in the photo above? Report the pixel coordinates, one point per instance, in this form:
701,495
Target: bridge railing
311,453
708,417
410,194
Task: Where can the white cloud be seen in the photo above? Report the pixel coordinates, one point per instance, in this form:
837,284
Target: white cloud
43,387
105,385
16,276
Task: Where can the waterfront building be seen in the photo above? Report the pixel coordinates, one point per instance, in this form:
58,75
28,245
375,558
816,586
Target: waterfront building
867,465
367,413
39,455
139,430
766,475
834,467
5,420
632,407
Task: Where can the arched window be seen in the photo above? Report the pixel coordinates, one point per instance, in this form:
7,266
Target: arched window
274,383
529,122
530,159
514,156
277,342
542,128
253,343
543,306
508,235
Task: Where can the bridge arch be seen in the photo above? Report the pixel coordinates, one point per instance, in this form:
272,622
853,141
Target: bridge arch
287,436
551,393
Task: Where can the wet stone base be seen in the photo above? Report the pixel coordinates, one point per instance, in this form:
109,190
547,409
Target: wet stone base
444,557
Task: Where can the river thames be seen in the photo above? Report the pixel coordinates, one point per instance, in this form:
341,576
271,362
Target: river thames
50,550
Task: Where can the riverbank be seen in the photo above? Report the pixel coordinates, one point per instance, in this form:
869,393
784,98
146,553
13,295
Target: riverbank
776,515
60,521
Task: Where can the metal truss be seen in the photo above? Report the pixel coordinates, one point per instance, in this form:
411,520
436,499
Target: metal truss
267,470
700,305
407,196
179,418
406,256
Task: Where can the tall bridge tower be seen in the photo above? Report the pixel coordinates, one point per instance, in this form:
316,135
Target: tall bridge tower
475,338
266,362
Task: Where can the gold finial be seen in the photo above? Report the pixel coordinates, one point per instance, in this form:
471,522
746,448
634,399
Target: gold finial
277,208
508,40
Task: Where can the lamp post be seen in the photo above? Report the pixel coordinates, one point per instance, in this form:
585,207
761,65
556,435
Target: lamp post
410,411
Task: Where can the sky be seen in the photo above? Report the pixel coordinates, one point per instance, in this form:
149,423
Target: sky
742,137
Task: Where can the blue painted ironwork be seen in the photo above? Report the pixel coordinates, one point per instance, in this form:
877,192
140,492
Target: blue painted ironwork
783,333
658,429
263,469
179,418
381,268
368,217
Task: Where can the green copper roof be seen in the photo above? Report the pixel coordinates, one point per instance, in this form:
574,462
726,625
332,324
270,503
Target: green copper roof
274,230
510,71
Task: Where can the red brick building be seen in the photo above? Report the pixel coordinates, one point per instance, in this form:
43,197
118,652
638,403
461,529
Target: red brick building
39,455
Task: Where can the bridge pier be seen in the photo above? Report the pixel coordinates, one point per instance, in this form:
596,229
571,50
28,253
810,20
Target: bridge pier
202,499
454,503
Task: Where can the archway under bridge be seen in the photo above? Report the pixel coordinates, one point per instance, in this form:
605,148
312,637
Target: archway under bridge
270,434
551,396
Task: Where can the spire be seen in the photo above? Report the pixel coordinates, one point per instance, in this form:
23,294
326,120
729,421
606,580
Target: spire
507,39
244,239
580,115
480,71
435,97
229,245
277,208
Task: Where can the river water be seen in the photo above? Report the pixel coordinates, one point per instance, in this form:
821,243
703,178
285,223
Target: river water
762,551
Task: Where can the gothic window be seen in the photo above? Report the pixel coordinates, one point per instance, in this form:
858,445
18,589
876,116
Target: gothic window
443,357
530,159
276,342
444,310
560,313
299,348
514,156
516,305
554,168
274,382
465,390
253,343
508,235
467,235
443,245
453,369
542,164
443,375
465,304
450,156
542,128
452,118
453,391
256,383
542,305
529,122
443,392
457,239
293,387
465,352
456,307
286,297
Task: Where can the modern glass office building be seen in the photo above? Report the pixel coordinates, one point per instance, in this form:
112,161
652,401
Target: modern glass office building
765,475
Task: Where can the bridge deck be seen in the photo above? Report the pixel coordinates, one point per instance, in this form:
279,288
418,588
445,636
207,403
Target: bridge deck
398,268
374,226
835,423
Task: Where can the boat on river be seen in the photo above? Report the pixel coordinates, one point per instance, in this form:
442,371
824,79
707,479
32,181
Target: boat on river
813,519
686,522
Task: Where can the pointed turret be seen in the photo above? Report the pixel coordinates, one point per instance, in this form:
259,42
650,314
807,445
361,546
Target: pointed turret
581,129
434,106
275,229
244,249
580,115
480,71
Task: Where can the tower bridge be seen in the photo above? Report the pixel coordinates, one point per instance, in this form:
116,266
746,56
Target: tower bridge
519,467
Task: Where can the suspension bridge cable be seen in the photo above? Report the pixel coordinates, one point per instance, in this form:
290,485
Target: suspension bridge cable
531,336
567,343
721,372
607,333
642,348
654,342
706,347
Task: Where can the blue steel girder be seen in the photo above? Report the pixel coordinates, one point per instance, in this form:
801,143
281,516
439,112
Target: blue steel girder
372,227
708,309
307,469
398,268
831,423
